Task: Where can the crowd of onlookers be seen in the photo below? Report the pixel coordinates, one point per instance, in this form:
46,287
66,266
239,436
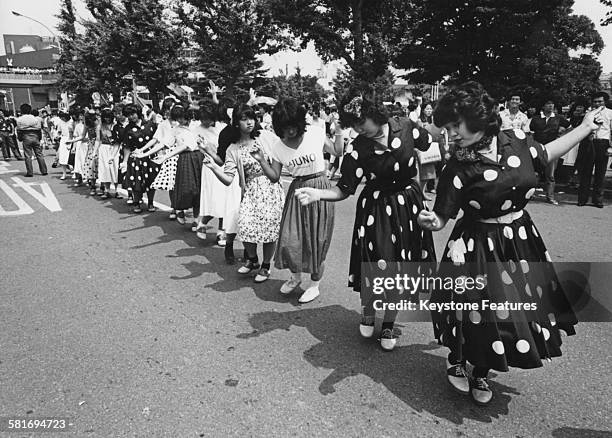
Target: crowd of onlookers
27,70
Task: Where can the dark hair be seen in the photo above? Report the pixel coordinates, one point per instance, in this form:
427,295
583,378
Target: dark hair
35,112
64,116
107,116
25,109
471,103
369,110
167,104
606,96
243,111
208,110
130,109
178,112
287,113
423,117
316,109
90,120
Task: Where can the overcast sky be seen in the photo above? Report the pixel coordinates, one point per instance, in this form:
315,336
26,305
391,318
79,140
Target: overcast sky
45,11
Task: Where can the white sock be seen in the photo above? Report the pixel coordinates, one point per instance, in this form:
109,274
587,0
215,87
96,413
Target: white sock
296,276
314,284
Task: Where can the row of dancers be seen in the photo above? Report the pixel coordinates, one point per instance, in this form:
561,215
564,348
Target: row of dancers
230,170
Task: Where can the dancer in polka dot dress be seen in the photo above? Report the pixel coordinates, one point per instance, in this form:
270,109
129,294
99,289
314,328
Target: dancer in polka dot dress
491,177
385,227
139,172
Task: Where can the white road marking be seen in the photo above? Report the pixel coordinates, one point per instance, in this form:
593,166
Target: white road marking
22,207
46,198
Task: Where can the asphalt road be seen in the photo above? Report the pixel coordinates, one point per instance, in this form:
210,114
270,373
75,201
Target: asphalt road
132,327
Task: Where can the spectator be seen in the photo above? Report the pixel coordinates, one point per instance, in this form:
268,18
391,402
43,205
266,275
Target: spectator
29,131
596,157
546,128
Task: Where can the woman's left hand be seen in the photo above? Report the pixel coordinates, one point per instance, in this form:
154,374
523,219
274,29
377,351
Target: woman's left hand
593,119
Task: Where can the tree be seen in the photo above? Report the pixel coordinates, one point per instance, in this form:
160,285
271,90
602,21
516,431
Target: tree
364,33
608,19
346,84
504,45
125,37
231,35
304,88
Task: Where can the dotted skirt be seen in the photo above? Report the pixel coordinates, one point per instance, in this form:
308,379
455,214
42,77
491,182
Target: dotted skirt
305,231
386,229
167,174
517,267
140,174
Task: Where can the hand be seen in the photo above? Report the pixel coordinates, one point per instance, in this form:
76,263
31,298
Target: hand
123,167
428,220
158,160
208,162
593,119
308,195
213,89
111,161
257,154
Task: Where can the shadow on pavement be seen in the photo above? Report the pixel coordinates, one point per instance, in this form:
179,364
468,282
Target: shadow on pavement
572,432
406,372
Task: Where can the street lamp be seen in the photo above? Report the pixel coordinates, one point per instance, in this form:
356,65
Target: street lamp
55,38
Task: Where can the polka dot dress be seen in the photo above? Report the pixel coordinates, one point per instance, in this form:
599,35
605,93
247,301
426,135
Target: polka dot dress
511,259
140,173
385,228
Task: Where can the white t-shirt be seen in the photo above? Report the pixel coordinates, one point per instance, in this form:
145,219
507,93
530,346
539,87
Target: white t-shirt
307,158
603,133
183,136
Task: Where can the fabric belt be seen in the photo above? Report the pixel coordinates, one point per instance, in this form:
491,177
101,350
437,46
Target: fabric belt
505,219
311,176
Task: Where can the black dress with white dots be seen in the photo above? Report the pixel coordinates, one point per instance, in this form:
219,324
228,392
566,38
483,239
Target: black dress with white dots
510,258
385,227
141,172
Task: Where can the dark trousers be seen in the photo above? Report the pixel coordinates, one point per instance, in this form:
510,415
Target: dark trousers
549,176
31,149
595,157
8,143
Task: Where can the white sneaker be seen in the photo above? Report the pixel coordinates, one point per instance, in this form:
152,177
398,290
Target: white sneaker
289,286
388,339
366,331
309,294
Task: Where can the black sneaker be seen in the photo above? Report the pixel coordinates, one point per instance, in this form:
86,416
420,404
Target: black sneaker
457,377
480,391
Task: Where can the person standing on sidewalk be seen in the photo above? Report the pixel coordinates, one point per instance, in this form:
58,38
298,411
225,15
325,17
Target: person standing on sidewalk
596,156
545,128
7,138
29,131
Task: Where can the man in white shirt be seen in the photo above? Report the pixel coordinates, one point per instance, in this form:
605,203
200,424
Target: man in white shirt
513,117
29,131
597,156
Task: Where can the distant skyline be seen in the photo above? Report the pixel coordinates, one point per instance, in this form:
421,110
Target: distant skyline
45,11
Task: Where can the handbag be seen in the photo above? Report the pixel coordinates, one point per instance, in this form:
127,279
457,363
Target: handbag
431,155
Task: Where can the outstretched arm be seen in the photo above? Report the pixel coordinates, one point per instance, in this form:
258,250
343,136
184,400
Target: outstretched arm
308,195
559,147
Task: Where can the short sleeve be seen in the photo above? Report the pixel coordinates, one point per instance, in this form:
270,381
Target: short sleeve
352,173
231,166
422,138
539,155
449,198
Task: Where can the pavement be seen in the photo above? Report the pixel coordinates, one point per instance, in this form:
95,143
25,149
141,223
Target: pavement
130,326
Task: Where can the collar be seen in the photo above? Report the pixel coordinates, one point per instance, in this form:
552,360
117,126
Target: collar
547,117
